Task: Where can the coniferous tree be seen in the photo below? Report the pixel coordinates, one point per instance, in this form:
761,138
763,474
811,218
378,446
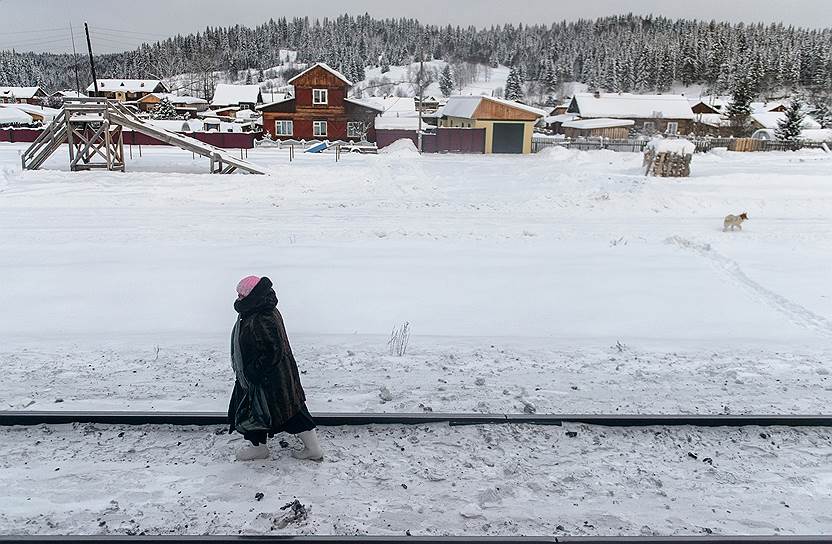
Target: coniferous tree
791,125
822,112
165,110
739,109
446,81
514,86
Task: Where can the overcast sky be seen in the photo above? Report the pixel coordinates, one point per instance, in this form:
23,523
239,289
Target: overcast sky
43,25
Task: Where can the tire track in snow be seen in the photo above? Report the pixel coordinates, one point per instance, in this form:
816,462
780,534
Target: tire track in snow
797,314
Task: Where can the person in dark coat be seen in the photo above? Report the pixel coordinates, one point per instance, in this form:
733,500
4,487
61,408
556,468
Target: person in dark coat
268,397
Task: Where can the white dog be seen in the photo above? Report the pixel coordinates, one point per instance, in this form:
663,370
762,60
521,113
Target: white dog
734,221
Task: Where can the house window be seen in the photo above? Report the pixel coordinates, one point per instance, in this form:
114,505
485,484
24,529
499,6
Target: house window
649,126
319,128
355,129
283,128
672,127
320,96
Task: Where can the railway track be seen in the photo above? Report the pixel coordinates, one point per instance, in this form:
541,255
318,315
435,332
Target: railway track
269,539
8,418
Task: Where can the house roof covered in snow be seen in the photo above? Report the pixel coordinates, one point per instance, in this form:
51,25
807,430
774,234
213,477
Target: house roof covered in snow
466,106
713,119
232,95
771,119
286,98
69,94
600,122
128,85
21,92
46,113
326,67
392,122
560,118
392,104
631,106
14,116
364,103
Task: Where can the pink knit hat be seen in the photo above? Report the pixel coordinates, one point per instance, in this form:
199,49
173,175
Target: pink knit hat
246,285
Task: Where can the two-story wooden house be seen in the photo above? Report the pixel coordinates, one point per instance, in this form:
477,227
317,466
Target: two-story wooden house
320,109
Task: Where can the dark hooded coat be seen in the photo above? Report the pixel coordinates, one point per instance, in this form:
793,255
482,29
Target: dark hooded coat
267,391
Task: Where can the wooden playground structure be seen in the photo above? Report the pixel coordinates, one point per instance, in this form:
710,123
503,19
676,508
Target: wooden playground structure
92,127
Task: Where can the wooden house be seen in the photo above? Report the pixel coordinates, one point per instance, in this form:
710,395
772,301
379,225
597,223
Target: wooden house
320,109
126,90
651,113
244,97
184,105
508,125
22,95
616,129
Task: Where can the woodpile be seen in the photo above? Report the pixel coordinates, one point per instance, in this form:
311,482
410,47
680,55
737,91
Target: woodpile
667,164
668,157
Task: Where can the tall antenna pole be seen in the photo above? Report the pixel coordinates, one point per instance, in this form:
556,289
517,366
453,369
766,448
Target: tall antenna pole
92,63
75,57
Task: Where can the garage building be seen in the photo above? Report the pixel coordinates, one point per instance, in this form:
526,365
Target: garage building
508,125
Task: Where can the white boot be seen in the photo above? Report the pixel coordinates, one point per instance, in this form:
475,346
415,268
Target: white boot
311,448
253,452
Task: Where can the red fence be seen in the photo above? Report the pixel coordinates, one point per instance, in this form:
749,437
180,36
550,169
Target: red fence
455,140
444,140
385,137
26,135
226,140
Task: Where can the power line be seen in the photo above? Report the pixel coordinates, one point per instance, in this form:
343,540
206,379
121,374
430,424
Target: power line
122,31
34,43
32,31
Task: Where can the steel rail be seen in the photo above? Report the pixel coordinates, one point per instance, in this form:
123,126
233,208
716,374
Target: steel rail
328,419
357,539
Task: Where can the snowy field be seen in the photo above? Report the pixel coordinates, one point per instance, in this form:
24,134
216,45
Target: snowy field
564,281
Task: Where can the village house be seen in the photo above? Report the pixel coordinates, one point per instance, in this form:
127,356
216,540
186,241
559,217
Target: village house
508,125
320,109
651,114
126,90
22,95
241,97
771,119
184,105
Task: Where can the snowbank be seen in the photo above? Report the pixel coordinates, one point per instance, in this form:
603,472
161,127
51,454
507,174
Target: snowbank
680,146
402,148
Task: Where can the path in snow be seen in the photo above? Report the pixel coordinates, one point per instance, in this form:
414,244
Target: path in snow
436,479
795,312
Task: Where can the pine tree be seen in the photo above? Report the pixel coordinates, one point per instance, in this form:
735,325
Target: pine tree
446,81
514,85
165,110
739,109
822,112
790,127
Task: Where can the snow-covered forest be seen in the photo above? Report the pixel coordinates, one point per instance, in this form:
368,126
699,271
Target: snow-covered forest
621,53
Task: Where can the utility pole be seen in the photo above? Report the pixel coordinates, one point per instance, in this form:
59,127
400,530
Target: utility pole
421,95
75,57
92,63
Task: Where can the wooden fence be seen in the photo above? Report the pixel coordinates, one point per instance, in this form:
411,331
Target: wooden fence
702,145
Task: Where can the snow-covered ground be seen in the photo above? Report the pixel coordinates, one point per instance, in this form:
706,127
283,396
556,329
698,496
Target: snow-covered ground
429,479
566,280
